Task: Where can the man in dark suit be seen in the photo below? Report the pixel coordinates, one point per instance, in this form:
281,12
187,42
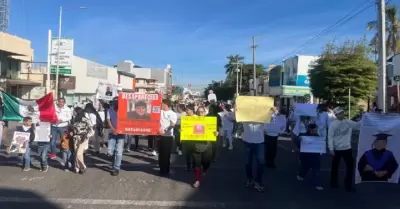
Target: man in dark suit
140,112
108,91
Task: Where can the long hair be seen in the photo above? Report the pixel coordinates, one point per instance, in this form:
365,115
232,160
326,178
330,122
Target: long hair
89,108
213,110
80,113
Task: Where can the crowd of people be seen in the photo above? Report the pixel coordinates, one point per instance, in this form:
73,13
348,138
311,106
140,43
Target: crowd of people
75,129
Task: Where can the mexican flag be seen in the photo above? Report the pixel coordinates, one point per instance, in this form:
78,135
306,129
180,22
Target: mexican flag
15,109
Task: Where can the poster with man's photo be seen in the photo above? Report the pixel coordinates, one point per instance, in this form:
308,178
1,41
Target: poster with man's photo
378,154
106,91
139,113
19,142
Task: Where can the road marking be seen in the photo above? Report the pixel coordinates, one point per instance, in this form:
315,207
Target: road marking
151,203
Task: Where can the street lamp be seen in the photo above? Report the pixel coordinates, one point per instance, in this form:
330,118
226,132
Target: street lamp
58,48
237,81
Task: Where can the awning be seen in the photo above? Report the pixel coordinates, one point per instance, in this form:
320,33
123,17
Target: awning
22,82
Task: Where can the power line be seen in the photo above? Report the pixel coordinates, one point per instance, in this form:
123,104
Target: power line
340,22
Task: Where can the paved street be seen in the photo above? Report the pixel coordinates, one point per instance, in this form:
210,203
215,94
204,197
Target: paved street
139,186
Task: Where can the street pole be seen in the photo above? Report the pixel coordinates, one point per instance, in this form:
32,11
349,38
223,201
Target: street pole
49,47
381,55
58,54
349,102
254,46
237,81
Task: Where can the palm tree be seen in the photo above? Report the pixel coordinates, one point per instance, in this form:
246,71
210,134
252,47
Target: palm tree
233,60
392,30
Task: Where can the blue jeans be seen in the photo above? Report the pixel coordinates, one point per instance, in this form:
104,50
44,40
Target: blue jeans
43,150
66,157
116,148
56,134
27,157
255,150
311,164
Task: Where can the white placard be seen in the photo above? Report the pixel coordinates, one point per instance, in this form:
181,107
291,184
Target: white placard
313,144
305,110
1,130
106,91
19,142
43,132
66,51
372,124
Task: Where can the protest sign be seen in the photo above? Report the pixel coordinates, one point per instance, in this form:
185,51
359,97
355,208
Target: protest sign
254,109
106,91
378,149
305,110
19,142
42,132
198,128
139,113
312,144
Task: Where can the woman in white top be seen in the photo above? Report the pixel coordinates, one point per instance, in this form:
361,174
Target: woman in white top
227,124
96,122
322,120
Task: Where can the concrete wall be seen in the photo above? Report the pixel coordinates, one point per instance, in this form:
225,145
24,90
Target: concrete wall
16,45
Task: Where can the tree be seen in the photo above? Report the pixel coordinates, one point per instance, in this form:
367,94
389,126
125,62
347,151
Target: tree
177,90
223,90
343,67
233,61
392,30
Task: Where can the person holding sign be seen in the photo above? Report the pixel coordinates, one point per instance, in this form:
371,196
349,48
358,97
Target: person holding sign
310,162
27,128
339,144
378,163
115,138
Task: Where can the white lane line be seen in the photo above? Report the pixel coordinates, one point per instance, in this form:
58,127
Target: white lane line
150,203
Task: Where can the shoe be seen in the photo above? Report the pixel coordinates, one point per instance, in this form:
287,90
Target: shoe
153,153
230,147
45,169
52,156
249,184
196,184
259,187
97,152
179,152
82,171
127,150
26,169
319,188
299,178
115,172
66,169
223,145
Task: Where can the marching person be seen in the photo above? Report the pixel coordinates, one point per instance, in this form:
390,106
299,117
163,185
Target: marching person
95,119
58,129
82,131
115,139
228,119
213,111
168,121
339,144
271,140
177,129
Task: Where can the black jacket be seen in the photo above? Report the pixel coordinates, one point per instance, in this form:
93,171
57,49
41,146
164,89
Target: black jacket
31,130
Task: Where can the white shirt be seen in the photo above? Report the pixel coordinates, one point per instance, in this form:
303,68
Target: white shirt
211,97
273,128
339,134
168,117
179,116
322,122
227,119
102,115
64,114
253,132
92,117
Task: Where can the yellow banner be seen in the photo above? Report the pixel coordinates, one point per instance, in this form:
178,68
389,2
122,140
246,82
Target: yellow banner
195,128
254,109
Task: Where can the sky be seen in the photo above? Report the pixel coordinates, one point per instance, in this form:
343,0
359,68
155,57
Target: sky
194,36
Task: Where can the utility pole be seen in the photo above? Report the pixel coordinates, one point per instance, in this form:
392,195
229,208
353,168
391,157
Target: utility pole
254,46
382,84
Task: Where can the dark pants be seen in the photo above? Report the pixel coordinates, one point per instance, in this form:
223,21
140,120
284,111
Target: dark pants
311,165
151,142
202,159
347,156
271,145
164,153
188,150
214,146
254,151
177,133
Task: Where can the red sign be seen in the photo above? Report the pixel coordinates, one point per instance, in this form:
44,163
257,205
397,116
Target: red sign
139,113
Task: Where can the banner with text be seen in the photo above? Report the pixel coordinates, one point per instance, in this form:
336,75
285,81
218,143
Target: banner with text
139,113
198,128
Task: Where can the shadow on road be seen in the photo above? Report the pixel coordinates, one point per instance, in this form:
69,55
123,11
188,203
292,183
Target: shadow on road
22,199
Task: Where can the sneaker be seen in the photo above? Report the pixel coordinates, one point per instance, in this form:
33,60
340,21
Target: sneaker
299,178
153,153
52,156
223,145
66,169
82,171
115,172
259,187
45,169
249,184
319,188
127,150
230,147
26,169
179,152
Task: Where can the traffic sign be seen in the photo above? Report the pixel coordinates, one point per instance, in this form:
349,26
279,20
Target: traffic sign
397,78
